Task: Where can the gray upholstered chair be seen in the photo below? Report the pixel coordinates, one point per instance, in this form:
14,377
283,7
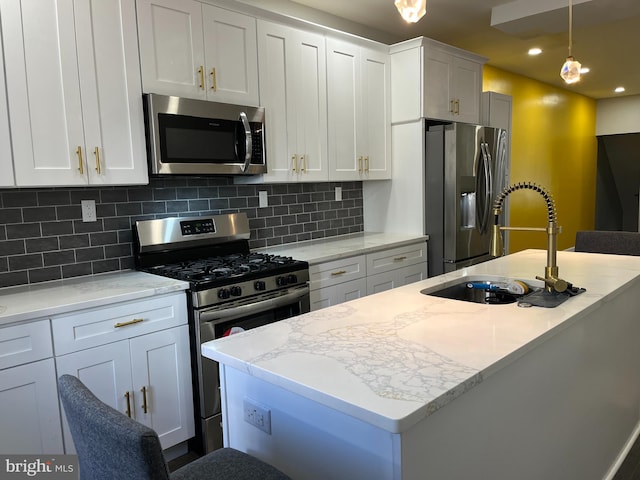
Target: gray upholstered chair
600,241
111,445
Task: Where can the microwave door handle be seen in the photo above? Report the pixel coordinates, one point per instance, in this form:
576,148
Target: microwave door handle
248,141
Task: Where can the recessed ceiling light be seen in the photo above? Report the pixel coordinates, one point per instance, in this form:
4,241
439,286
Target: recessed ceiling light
584,70
535,51
619,89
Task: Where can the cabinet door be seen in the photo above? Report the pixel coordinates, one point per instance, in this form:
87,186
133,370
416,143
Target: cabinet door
6,159
293,91
44,98
438,81
343,82
277,96
231,56
374,139
106,371
161,373
467,88
30,419
336,294
310,101
171,47
111,91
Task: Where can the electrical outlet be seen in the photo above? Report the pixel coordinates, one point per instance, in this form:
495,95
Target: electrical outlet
338,194
263,199
88,210
257,415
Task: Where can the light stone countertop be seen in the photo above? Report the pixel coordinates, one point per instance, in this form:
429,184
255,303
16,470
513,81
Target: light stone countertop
342,246
40,300
393,358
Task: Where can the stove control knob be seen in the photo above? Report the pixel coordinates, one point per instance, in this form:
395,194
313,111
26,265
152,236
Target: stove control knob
281,281
292,278
223,293
260,285
235,291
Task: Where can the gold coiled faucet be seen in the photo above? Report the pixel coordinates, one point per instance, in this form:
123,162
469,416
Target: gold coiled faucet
551,279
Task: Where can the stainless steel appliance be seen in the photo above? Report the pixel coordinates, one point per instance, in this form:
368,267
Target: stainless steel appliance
465,169
196,137
230,289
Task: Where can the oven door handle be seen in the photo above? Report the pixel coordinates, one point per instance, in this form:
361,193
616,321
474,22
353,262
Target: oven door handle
253,308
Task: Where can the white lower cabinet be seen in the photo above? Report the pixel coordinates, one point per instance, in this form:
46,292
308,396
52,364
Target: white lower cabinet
30,419
146,375
339,281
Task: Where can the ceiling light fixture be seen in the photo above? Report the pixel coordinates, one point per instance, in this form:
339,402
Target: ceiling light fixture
570,71
411,10
535,51
619,89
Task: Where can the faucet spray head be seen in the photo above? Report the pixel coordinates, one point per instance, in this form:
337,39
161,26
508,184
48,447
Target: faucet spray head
496,246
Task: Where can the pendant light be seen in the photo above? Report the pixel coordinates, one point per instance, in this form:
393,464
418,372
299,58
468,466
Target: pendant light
411,10
570,71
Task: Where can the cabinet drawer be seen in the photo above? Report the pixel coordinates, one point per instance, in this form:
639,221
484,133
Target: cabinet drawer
399,257
25,343
338,271
98,326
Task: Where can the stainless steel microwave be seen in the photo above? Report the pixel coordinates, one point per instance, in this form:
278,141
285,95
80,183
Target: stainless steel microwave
196,137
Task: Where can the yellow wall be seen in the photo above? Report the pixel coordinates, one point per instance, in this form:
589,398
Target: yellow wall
553,144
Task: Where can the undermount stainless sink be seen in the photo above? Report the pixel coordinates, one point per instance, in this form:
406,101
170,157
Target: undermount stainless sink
491,291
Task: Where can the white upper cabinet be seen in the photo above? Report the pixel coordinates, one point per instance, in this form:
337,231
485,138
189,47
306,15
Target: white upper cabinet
195,50
358,98
293,84
434,80
6,159
74,92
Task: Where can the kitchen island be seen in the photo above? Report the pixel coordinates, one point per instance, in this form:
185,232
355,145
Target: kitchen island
401,385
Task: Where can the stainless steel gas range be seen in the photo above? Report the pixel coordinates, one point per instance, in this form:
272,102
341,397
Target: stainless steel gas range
231,289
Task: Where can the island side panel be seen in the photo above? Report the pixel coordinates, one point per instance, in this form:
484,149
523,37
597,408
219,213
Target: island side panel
308,440
566,409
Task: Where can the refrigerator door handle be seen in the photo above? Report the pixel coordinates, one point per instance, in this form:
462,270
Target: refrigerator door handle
483,206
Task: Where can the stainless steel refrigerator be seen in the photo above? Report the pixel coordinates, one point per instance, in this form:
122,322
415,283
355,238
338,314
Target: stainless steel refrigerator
465,170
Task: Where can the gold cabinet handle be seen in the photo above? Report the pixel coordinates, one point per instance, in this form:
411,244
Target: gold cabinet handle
294,162
80,162
303,164
457,106
399,259
144,399
201,73
360,164
130,322
127,395
339,272
96,152
452,103
366,164
214,82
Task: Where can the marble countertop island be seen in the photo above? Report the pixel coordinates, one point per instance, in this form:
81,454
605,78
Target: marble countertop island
51,298
342,246
394,358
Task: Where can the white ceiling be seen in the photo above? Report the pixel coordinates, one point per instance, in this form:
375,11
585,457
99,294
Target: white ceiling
606,34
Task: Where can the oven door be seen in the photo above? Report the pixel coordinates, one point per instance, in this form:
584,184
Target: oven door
219,321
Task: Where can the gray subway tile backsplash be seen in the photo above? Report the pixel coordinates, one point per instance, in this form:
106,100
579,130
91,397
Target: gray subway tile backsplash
43,237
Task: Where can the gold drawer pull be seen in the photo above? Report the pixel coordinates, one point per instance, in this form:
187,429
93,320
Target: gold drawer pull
339,272
80,161
127,395
399,259
130,322
144,399
96,152
214,80
294,162
201,75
